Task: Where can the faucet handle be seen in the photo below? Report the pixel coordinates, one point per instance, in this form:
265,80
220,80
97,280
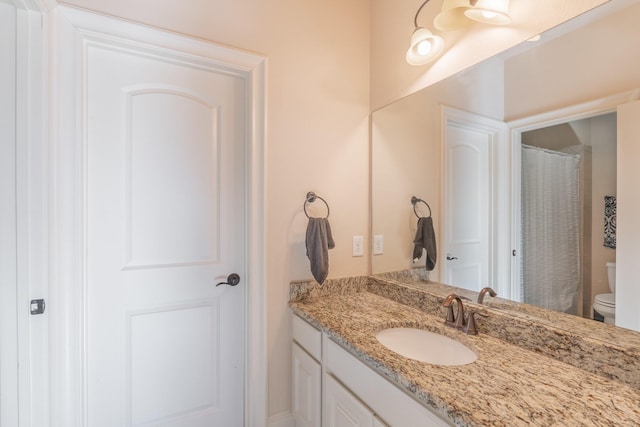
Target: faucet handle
451,318
470,328
461,320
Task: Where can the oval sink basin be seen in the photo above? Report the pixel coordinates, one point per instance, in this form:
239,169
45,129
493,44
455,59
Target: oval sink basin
426,346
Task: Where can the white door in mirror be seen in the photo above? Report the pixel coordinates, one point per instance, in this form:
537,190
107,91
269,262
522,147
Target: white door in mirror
466,211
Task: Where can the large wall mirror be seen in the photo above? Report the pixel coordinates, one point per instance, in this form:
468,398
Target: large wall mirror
468,147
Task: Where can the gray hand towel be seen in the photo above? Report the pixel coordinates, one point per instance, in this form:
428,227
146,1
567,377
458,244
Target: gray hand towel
425,238
319,241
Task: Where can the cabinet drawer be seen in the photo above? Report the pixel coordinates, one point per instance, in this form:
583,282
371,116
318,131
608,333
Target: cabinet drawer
388,401
308,337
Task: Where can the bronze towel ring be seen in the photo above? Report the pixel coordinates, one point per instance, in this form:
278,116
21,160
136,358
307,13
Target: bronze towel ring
311,197
414,202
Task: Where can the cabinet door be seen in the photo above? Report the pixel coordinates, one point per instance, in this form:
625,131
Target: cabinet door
342,409
306,393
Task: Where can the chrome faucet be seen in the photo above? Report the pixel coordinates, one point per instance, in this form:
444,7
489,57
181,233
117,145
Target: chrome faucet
483,293
466,324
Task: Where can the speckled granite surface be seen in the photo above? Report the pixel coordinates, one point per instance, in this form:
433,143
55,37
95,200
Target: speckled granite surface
533,383
304,289
592,346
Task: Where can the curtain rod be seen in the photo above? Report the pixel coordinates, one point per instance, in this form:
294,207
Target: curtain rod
546,150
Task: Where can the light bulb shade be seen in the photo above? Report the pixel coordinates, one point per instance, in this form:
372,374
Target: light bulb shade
451,16
490,12
425,47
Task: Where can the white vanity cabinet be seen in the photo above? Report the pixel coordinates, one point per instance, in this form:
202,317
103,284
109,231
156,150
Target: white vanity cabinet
332,388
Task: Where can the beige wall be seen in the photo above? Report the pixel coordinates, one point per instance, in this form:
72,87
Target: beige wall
392,26
317,128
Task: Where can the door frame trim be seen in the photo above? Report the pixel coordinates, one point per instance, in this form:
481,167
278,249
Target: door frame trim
26,341
70,30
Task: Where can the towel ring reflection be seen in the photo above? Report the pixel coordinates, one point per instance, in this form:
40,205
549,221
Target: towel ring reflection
311,197
414,202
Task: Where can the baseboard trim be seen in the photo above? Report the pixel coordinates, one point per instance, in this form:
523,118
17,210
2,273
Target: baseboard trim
283,419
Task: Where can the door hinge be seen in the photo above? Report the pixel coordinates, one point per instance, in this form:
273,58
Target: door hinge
37,306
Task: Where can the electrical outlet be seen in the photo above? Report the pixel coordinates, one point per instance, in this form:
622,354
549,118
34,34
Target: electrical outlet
378,244
358,246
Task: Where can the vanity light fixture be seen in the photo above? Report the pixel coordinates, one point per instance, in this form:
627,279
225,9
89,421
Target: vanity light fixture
489,11
451,16
425,46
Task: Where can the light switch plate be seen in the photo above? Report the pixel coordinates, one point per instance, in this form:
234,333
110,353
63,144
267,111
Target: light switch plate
378,244
358,245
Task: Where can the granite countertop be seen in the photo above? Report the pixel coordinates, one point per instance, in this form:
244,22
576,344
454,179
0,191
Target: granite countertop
507,385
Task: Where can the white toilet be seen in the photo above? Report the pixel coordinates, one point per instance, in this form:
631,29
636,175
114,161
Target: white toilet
605,304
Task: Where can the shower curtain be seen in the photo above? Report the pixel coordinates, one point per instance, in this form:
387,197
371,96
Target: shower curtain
550,252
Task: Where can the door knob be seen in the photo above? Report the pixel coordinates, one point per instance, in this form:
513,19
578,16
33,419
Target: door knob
449,257
232,280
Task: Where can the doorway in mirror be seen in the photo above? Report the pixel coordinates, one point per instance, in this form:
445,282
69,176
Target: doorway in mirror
471,144
564,172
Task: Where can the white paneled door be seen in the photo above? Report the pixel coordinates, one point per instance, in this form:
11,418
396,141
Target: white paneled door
165,222
467,210
471,144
